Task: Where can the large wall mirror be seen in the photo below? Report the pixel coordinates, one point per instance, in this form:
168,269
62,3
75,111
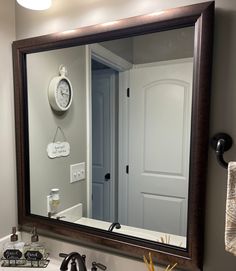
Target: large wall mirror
112,132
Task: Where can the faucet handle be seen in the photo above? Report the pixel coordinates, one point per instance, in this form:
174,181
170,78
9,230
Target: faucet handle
63,255
84,258
98,265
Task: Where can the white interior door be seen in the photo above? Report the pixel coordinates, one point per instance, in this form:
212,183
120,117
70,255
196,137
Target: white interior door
159,137
103,84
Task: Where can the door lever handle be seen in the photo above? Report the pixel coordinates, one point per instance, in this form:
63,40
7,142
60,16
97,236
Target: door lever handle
107,177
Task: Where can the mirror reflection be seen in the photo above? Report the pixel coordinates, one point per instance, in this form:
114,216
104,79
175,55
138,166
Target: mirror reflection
109,134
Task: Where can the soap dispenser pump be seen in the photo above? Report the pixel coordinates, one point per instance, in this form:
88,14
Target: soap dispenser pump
14,236
34,237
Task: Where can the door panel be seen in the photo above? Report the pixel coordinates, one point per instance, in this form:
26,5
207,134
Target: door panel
159,97
173,206
102,83
159,136
98,195
100,108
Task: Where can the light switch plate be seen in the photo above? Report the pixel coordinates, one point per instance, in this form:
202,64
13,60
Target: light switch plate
77,172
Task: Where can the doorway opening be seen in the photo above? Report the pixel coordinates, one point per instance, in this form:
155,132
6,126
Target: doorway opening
104,141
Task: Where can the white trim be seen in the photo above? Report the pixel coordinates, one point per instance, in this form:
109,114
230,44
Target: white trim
165,62
108,58
112,145
117,63
123,156
88,130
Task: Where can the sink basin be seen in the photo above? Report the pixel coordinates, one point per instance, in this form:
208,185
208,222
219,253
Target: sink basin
71,214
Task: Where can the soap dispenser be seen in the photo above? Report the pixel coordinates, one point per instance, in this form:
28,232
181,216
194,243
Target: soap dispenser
13,250
35,251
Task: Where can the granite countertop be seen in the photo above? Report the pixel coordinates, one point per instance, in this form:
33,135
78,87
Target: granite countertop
52,266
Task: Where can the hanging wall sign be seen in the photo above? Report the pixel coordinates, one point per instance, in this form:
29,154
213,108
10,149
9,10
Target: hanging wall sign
58,149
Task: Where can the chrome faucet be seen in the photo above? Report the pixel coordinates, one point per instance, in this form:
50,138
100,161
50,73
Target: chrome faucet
73,256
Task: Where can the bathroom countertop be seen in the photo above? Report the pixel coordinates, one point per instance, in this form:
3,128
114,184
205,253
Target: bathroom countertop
155,236
53,265
54,247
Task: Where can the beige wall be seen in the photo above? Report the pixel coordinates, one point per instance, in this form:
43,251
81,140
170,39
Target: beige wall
70,14
46,173
8,212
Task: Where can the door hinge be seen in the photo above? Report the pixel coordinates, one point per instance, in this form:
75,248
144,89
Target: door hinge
128,92
127,169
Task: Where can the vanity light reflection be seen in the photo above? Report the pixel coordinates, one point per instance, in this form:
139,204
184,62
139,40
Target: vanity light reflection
67,32
110,23
158,13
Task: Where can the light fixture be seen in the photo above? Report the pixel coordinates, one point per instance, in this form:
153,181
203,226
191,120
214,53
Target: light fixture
35,4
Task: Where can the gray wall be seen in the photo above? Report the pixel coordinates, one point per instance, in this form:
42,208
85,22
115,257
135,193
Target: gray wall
71,14
46,173
160,46
121,47
166,45
8,209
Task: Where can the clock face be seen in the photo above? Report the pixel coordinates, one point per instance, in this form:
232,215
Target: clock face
63,93
60,93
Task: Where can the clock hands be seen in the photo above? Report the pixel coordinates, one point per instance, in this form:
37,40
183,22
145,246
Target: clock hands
64,93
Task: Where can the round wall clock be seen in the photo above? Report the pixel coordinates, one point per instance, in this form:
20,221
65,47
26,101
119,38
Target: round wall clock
60,92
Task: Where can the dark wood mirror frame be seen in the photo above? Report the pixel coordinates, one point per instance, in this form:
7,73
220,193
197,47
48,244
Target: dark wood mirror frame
201,16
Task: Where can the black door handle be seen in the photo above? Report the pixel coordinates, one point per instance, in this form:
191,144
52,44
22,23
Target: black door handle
107,177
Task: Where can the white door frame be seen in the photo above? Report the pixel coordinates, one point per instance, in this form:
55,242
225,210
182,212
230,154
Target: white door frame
123,152
101,54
